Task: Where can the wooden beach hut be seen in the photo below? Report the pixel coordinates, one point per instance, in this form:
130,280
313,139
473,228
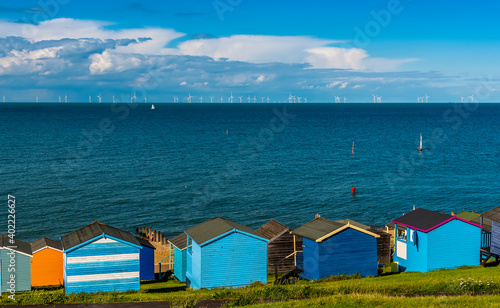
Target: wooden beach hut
434,240
224,254
280,246
99,257
334,248
147,259
15,254
47,263
179,244
490,222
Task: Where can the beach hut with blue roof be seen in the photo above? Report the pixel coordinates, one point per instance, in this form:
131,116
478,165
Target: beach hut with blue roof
179,244
332,248
98,257
222,253
434,240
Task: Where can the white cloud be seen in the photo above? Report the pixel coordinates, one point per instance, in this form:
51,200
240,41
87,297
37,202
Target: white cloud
261,78
184,83
357,86
343,85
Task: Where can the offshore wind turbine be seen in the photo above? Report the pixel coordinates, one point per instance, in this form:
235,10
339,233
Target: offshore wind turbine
59,99
240,97
113,98
374,98
268,99
305,100
145,99
254,99
211,99
462,99
4,98
298,99
248,99
90,99
189,98
99,96
36,99
221,99
65,98
201,99
290,98
426,98
231,98
262,99
379,99
337,99
418,99
471,98
345,99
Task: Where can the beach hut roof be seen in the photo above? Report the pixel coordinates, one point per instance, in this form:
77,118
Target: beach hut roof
273,229
493,214
469,216
45,243
145,242
216,227
321,228
179,241
487,223
19,246
426,220
94,230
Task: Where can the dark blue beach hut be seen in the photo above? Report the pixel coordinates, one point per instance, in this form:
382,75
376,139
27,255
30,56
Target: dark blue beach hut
15,254
337,247
225,254
179,244
147,259
433,240
98,257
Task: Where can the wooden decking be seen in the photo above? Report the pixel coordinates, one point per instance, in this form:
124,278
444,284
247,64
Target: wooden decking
486,254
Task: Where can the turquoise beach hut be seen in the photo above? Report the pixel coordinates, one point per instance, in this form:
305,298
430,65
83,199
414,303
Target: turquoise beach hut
434,240
20,253
179,244
224,254
332,248
98,257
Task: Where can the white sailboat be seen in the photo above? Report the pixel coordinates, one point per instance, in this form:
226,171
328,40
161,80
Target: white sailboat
420,147
152,106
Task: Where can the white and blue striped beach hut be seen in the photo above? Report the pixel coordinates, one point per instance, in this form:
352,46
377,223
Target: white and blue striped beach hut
98,257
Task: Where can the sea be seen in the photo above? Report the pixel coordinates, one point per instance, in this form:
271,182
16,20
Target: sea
129,166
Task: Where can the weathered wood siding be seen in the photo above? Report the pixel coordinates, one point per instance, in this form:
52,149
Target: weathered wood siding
278,249
495,238
102,265
22,271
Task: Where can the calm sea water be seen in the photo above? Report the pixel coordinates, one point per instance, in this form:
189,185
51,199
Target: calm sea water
180,164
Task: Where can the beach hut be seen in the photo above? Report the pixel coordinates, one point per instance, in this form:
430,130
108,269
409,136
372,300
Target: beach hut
434,240
179,244
280,246
15,258
47,263
99,257
383,242
334,248
147,259
224,254
490,220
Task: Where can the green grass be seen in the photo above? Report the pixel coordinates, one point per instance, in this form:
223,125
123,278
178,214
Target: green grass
345,291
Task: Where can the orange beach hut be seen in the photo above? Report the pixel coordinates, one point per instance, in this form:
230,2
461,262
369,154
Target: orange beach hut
47,263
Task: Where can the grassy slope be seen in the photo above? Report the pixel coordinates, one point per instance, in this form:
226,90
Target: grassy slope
341,291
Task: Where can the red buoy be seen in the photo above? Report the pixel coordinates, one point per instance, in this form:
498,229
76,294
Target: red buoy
353,189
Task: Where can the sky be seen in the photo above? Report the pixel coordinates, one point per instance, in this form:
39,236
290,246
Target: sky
396,49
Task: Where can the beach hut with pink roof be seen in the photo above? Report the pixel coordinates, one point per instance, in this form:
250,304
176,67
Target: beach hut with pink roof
431,240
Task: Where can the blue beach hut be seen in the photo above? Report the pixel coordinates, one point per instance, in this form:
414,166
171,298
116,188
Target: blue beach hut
147,259
15,254
179,244
224,254
98,257
434,240
337,247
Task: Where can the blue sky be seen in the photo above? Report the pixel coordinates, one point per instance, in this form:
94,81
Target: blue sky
316,49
